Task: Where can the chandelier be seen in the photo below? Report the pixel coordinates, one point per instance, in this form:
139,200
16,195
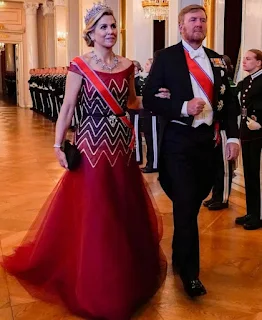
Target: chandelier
2,47
156,9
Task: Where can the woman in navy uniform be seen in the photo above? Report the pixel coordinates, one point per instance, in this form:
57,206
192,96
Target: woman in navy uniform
251,137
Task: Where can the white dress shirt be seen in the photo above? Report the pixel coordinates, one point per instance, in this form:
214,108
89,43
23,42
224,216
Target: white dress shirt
206,116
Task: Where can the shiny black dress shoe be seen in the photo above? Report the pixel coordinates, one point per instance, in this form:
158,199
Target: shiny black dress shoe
194,288
242,220
147,169
207,202
217,206
252,225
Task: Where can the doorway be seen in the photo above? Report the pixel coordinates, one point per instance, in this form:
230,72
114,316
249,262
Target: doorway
9,71
232,32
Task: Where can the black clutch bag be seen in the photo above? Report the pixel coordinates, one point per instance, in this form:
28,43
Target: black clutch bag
73,155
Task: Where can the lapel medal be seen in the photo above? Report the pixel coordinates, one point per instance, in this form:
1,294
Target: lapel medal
220,105
217,62
222,88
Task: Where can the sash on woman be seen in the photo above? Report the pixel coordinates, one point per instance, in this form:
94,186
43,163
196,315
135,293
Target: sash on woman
106,95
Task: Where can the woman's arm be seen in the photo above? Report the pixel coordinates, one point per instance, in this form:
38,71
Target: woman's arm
73,84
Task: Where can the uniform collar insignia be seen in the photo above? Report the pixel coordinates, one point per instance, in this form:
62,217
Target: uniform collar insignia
256,74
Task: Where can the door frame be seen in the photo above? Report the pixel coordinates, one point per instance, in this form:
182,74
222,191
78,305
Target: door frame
20,79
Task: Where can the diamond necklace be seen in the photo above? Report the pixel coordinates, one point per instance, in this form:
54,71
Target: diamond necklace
105,66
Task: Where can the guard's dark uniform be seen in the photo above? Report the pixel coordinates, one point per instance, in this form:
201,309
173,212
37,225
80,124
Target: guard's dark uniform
150,129
47,94
135,118
251,141
224,169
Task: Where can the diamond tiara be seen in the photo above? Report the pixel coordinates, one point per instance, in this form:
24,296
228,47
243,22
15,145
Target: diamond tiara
97,7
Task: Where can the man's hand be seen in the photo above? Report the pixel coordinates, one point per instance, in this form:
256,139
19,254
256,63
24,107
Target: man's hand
195,106
252,124
232,151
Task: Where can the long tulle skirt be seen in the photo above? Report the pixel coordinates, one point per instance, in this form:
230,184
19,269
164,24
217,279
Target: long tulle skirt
95,244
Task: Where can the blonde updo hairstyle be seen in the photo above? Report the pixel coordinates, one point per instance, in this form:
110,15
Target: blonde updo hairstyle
91,24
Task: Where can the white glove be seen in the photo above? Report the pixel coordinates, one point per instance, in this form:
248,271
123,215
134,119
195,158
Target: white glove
252,124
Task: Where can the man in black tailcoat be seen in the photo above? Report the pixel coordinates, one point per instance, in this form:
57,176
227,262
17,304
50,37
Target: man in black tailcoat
200,100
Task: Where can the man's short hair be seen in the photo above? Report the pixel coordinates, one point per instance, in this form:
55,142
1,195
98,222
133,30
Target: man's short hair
187,9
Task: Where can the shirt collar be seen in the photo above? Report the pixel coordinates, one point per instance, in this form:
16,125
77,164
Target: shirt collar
256,74
199,51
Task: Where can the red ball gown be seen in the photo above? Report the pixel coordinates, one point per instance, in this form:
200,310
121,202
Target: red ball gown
95,244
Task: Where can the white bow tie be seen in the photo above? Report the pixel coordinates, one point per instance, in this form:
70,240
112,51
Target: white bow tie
197,53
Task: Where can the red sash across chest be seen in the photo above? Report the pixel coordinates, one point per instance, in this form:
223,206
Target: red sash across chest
106,95
201,77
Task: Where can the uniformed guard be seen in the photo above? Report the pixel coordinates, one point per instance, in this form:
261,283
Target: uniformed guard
47,88
32,86
136,116
251,137
224,168
150,129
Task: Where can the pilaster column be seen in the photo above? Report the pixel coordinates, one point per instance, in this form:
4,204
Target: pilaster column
9,57
31,34
219,26
139,33
115,6
174,9
61,32
251,38
173,30
83,6
75,27
251,28
48,13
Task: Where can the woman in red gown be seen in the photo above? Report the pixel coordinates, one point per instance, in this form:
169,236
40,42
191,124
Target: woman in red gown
95,244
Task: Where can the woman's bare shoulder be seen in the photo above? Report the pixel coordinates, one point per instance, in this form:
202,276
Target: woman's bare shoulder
86,57
126,63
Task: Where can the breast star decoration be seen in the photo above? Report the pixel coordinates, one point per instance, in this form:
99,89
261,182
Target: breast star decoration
220,105
222,89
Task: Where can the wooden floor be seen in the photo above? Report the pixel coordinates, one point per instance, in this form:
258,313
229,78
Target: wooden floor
231,258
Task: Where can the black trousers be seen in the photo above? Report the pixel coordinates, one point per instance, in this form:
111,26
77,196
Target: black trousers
251,151
32,93
150,128
186,174
136,121
223,172
39,103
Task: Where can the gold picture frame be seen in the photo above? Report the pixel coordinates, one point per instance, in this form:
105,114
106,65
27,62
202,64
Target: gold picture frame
123,28
209,6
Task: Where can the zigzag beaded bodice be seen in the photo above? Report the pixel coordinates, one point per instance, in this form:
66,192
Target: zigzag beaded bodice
99,132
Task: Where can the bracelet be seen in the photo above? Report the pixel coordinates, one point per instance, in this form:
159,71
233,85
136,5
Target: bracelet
57,145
